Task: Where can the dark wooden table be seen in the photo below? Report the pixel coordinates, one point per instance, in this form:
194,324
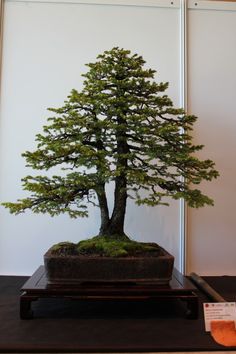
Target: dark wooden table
179,288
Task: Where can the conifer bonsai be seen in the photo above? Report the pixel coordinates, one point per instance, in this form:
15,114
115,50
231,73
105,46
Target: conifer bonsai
122,128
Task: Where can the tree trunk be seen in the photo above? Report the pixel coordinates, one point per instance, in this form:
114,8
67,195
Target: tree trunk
102,200
116,226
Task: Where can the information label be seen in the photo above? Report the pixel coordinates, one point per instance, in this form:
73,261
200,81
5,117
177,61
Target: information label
224,311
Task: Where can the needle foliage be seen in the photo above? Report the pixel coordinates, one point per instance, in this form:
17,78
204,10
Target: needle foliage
120,127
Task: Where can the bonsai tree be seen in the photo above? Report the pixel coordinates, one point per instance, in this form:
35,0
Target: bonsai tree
121,127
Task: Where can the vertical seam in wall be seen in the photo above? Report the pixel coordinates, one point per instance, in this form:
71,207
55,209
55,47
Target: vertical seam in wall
183,89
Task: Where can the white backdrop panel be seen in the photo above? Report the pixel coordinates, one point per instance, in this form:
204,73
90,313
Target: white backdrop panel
45,47
212,96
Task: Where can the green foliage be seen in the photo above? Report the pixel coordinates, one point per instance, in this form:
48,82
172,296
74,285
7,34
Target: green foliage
55,195
121,127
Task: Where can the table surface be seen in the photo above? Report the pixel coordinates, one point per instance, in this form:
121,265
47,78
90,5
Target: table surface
63,326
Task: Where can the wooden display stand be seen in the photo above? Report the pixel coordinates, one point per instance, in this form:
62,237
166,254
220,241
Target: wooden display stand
179,288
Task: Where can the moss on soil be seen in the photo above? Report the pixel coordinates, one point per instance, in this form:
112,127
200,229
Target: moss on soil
105,246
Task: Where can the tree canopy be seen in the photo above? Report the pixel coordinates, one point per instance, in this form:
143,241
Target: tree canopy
120,127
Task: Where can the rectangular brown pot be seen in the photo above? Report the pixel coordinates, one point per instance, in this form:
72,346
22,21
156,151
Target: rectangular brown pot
78,269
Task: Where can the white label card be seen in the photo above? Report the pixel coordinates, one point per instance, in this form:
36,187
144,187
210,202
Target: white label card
224,311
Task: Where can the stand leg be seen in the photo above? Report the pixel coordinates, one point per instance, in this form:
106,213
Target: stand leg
192,308
25,307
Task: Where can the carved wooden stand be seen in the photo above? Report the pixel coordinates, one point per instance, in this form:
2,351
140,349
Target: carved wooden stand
179,288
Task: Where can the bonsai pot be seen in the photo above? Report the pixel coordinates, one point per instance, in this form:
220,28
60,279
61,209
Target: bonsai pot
77,269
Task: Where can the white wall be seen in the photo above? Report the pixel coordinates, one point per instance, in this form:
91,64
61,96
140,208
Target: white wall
212,96
45,47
